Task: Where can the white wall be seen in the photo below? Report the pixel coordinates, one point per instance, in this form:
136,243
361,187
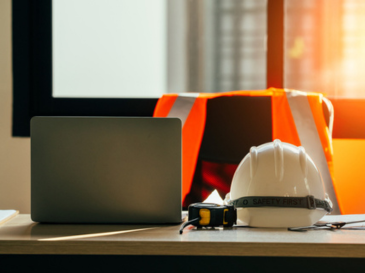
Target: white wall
14,152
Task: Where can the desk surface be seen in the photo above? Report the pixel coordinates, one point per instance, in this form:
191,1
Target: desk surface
22,236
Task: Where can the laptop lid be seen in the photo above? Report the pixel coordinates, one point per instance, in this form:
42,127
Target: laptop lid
105,170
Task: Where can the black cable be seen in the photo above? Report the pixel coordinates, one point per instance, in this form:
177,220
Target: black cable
191,222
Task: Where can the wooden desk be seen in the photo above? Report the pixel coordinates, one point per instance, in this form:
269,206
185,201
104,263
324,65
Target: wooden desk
22,236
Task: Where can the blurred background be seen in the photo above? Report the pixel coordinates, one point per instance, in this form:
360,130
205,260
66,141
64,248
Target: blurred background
105,48
144,48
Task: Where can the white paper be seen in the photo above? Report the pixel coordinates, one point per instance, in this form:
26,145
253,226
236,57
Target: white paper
4,214
346,218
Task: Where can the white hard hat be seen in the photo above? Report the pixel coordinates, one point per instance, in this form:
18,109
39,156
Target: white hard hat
278,185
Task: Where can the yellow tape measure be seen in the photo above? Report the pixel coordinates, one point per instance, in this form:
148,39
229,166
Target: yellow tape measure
210,215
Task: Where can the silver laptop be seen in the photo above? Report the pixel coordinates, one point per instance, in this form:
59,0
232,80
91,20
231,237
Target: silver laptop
106,170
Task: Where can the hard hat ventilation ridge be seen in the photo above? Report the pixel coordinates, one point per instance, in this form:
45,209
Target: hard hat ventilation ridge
303,161
253,161
279,159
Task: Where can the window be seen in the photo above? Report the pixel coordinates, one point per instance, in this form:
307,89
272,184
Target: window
199,46
125,48
109,49
98,58
324,47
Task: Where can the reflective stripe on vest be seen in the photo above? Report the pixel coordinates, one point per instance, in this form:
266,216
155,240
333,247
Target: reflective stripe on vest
285,126
182,106
310,139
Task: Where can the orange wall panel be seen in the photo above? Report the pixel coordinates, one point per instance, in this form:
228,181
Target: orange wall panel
349,172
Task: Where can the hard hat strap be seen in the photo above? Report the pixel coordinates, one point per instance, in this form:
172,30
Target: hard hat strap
308,202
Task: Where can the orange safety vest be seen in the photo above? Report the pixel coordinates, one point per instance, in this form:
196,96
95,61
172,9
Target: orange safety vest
297,118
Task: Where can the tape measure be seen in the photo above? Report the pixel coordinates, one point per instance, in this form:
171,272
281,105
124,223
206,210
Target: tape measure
210,215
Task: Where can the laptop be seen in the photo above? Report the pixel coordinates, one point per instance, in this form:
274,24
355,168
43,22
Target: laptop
106,170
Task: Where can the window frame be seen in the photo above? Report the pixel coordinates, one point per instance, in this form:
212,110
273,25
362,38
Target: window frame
32,75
